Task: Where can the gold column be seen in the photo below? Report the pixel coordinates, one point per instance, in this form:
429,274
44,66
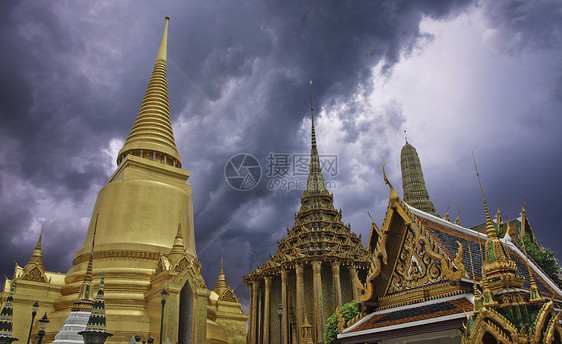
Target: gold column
251,325
266,310
337,283
300,301
285,305
317,278
352,273
254,311
259,331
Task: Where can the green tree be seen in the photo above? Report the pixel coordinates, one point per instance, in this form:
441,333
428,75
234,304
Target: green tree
545,258
348,312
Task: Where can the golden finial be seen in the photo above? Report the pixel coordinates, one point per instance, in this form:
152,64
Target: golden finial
40,237
393,194
458,221
162,54
405,136
447,217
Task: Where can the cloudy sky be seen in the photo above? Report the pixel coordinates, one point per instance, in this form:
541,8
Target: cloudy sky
460,76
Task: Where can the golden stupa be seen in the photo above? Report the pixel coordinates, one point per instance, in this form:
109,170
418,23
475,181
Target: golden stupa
144,243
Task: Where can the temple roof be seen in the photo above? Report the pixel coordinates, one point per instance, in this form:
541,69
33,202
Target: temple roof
412,315
447,234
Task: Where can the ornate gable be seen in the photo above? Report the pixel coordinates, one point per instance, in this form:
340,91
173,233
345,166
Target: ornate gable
407,264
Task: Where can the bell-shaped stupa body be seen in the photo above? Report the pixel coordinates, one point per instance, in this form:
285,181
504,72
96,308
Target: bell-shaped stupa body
138,214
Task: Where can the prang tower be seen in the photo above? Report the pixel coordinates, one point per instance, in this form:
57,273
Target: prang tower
413,184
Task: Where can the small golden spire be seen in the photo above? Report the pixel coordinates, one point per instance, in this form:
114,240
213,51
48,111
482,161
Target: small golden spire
85,300
447,217
458,221
490,230
221,285
178,248
405,136
35,262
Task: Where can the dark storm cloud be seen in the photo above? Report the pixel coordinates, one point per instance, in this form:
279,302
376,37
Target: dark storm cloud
525,24
271,54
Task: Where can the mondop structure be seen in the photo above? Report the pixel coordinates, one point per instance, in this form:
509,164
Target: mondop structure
144,242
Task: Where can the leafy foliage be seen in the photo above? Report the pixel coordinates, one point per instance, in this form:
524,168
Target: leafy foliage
545,257
348,311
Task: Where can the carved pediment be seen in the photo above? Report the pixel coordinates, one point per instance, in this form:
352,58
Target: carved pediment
228,295
35,275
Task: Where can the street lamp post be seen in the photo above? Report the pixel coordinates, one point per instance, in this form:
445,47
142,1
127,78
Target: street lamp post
164,293
33,314
42,326
280,313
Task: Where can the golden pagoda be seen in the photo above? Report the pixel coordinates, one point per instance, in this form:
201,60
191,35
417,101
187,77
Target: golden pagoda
144,243
313,271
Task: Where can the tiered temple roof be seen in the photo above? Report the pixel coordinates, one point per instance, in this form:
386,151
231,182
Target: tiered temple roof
423,275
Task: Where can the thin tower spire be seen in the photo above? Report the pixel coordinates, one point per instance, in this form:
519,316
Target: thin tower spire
152,136
490,228
315,183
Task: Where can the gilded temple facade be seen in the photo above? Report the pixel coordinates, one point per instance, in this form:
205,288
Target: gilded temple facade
144,242
434,281
313,271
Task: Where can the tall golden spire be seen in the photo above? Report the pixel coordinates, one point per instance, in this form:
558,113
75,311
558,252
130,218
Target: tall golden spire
178,248
34,270
315,183
151,136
